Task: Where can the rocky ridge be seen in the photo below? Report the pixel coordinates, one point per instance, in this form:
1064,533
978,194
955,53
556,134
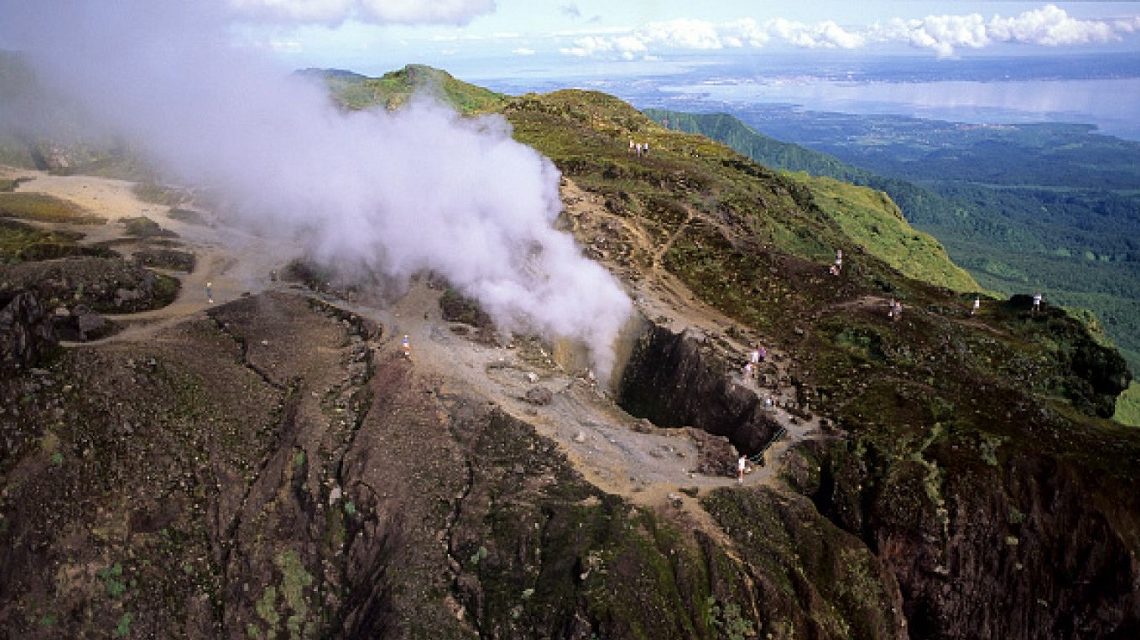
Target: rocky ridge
272,466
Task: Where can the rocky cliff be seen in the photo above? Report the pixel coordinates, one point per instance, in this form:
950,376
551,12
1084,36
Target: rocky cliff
272,466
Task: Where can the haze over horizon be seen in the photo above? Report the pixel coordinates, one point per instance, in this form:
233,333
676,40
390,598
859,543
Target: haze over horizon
814,55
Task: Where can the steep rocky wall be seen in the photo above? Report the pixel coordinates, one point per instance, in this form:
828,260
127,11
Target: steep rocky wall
675,380
1025,547
263,473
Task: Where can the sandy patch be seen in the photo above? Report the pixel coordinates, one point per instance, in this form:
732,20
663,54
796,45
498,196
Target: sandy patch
107,198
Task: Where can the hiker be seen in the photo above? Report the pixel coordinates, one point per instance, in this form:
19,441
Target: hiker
638,149
1036,302
761,352
897,311
754,357
406,344
891,308
749,368
645,148
209,293
631,146
741,465
977,305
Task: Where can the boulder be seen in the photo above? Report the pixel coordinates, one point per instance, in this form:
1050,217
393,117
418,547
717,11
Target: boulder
26,332
539,396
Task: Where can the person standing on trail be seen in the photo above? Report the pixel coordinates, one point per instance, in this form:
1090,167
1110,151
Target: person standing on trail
741,465
209,293
406,345
749,370
977,305
1036,302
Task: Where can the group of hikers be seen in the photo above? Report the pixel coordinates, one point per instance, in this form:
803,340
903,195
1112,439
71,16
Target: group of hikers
758,355
638,148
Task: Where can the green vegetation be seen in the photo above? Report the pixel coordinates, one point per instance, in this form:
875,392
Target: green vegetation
394,89
1023,208
161,194
123,629
860,213
689,190
1128,406
18,240
112,578
294,580
266,608
728,621
44,208
144,227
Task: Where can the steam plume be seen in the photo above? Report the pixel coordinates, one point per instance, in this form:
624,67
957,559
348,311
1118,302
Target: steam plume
421,188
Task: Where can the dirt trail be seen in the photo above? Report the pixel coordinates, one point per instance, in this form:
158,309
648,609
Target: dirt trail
613,450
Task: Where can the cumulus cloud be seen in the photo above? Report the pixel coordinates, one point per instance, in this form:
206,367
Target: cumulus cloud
1048,26
383,11
943,34
386,193
701,35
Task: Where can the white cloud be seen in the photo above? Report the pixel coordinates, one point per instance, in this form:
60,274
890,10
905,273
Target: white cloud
1050,26
702,35
681,34
382,11
821,35
589,46
943,34
524,51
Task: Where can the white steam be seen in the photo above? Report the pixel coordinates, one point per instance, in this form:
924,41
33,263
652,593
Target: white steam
421,188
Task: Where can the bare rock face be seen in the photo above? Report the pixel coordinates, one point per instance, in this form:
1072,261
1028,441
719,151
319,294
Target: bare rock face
1030,547
673,382
716,455
26,331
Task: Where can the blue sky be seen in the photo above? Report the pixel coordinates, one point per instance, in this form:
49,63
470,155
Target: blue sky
483,38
